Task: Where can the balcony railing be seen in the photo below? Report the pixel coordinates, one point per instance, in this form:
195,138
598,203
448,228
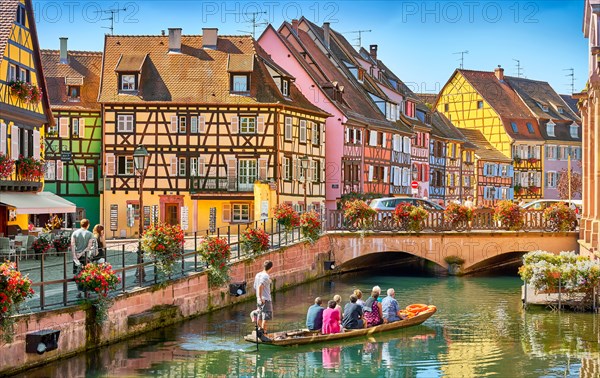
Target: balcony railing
218,184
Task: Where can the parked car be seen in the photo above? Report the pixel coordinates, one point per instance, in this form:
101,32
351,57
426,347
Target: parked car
545,203
390,203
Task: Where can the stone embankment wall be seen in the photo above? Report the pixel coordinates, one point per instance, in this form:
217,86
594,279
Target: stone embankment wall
154,307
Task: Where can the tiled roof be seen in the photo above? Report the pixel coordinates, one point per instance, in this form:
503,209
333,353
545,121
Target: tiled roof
82,65
535,93
131,62
572,103
197,74
483,149
8,14
562,132
443,128
428,98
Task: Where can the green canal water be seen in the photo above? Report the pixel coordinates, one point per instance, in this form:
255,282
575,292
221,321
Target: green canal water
479,330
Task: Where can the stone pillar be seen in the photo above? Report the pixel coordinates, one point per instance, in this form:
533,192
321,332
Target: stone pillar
595,169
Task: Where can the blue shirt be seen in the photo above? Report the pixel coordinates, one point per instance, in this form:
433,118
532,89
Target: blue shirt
314,317
390,308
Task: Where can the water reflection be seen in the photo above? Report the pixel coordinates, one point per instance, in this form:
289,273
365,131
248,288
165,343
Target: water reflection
479,330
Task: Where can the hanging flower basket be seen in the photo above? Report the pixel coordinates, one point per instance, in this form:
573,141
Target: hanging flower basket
26,92
509,215
560,217
7,166
216,253
286,216
14,289
410,217
358,214
458,216
310,226
98,279
254,241
164,243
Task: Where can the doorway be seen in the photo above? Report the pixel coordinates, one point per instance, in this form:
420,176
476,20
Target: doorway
172,214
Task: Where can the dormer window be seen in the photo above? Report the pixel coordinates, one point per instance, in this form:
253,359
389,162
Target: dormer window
543,107
560,109
361,74
285,87
530,128
574,130
240,83
74,93
128,82
550,128
21,18
514,127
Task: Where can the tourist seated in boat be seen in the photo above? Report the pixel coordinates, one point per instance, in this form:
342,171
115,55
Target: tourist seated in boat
353,315
358,294
338,299
373,313
390,307
331,319
314,316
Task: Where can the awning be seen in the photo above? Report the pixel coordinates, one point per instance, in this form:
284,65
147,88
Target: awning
37,203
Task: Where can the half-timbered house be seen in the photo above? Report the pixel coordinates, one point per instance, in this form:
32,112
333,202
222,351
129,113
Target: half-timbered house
494,171
24,110
218,116
73,146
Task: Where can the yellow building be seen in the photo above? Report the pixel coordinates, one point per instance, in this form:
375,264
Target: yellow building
217,116
24,110
484,101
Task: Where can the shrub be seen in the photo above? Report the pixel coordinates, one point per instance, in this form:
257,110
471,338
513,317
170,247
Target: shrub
453,259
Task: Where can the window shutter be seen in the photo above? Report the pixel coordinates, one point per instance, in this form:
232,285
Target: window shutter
383,140
173,166
82,173
373,138
407,145
82,127
201,124
174,124
59,170
347,135
194,125
232,174
36,144
14,142
385,174
226,212
262,168
511,171
537,152
50,173
63,127
288,129
302,136
370,173
494,170
110,164
3,138
201,167
234,125
260,124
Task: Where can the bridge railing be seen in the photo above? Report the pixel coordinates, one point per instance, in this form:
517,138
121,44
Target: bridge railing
483,220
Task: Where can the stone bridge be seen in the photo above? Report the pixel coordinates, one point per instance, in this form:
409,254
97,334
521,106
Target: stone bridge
479,249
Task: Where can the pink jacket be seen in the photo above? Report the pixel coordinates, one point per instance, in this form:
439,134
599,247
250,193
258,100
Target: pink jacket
331,321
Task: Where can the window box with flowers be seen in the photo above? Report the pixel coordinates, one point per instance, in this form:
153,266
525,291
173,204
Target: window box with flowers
216,253
164,243
509,215
26,92
98,280
254,241
560,217
286,216
358,215
517,160
14,289
533,160
7,166
310,226
534,189
29,168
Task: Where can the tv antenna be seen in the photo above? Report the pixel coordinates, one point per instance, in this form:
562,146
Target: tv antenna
519,69
111,17
359,38
572,76
253,21
462,57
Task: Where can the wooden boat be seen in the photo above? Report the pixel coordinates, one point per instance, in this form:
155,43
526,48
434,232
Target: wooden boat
304,336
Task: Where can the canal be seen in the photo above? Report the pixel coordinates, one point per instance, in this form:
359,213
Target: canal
479,330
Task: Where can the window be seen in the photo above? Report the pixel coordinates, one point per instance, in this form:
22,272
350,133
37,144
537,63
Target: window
182,124
90,173
128,82
288,128
74,92
50,172
247,125
285,87
543,107
530,128
241,212
550,128
560,109
504,170
125,166
247,174
302,131
239,83
194,166
515,129
12,72
574,130
551,152
52,130
182,167
286,168
125,123
21,15
75,127
23,73
316,133
446,107
480,104
315,172
551,179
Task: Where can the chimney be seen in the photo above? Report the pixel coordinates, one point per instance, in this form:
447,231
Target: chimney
174,40
373,51
63,50
326,32
209,38
295,23
499,72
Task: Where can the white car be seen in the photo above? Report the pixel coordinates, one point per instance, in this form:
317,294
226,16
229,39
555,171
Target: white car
544,203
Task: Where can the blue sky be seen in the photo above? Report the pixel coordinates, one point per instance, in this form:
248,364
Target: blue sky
417,39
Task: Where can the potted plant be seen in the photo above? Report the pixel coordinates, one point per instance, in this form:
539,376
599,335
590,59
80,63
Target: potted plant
286,216
14,289
417,218
358,214
7,166
61,243
509,215
560,217
454,264
518,188
29,168
310,226
458,215
216,253
401,214
164,243
26,92
517,160
54,223
98,279
533,160
254,241
41,245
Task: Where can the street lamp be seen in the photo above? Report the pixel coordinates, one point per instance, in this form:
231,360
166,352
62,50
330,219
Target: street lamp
141,157
304,162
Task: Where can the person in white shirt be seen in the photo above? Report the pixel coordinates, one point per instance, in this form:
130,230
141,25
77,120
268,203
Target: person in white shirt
262,286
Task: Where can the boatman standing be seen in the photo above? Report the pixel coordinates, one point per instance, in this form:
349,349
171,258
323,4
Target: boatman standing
262,286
